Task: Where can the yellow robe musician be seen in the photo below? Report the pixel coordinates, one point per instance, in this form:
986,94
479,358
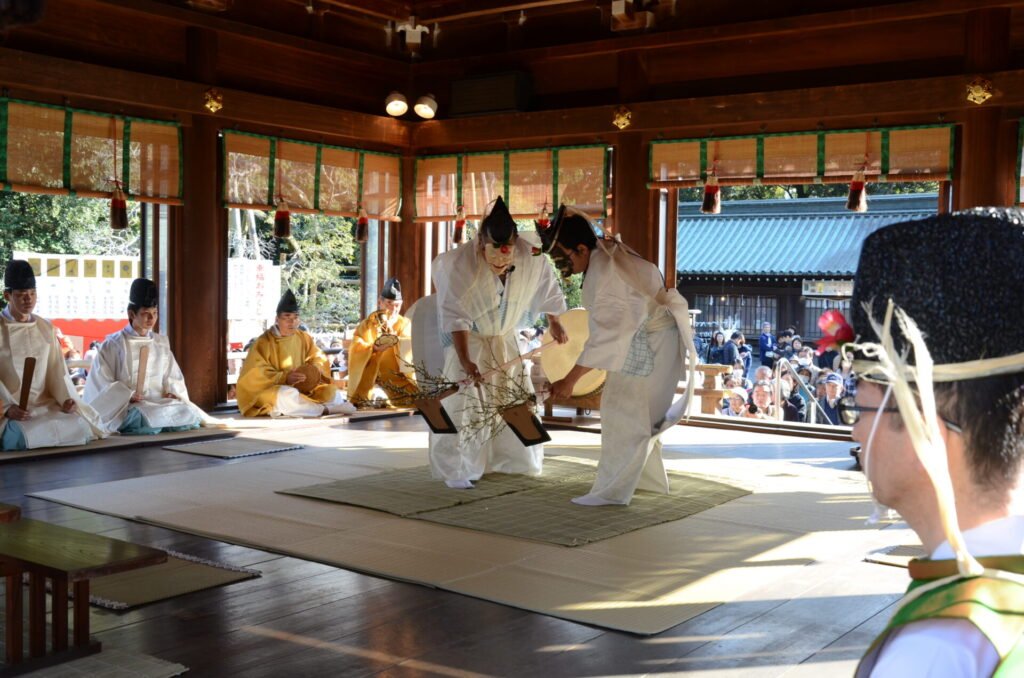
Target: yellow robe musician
286,374
374,357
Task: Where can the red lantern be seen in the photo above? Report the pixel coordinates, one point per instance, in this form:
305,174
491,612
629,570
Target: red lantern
282,221
118,210
857,198
459,235
712,203
362,233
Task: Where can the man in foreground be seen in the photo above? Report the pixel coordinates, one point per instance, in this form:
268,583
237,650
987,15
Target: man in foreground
939,414
375,355
285,374
156,403
640,333
50,416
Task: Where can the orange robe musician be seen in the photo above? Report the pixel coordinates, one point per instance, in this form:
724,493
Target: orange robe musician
375,357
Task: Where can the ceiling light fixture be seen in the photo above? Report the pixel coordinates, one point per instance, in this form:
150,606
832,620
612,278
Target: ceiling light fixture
426,106
396,104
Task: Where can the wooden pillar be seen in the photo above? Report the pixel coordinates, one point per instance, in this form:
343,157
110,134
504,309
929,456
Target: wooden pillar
408,241
635,215
199,269
988,142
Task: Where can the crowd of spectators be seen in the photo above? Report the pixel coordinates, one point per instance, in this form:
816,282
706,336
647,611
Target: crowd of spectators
792,383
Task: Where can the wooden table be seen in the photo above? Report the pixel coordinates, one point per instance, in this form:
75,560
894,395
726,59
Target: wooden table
65,556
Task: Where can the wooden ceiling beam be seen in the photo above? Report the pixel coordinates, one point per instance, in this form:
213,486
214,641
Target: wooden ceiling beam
168,96
864,16
194,18
926,98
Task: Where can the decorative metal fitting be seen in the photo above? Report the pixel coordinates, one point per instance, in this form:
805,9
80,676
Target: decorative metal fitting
213,100
622,118
979,90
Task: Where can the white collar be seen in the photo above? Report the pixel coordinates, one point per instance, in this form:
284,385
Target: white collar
9,316
1002,537
130,331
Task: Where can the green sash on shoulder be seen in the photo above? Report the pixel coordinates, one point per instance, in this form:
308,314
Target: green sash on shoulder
994,606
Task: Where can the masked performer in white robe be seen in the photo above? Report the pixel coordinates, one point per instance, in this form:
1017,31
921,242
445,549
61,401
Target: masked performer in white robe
286,374
640,334
52,417
163,404
487,289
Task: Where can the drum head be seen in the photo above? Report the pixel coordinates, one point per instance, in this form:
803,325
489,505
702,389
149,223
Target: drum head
558,359
312,380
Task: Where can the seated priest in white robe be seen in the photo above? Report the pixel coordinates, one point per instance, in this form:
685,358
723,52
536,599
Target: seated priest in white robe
640,334
487,290
50,417
286,374
158,401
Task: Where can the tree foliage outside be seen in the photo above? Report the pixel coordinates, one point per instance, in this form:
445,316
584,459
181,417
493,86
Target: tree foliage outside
319,262
798,191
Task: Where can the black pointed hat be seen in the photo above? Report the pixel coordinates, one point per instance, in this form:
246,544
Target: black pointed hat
949,273
569,227
499,226
288,303
143,293
392,290
19,275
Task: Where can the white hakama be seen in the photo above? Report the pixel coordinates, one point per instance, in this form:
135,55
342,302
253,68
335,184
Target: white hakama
471,297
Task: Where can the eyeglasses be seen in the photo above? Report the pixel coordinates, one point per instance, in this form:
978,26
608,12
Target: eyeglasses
849,413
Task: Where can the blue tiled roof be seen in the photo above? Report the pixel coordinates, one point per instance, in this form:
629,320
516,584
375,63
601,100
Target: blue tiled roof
786,237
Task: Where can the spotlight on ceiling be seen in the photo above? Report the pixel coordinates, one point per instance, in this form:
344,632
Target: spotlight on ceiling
396,104
426,106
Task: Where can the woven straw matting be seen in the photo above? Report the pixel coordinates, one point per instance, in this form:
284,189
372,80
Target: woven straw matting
537,508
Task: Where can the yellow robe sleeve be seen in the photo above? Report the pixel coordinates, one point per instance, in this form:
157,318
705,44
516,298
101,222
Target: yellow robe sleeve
359,354
324,393
259,378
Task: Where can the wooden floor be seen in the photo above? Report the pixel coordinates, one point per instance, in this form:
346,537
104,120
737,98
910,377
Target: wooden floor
303,618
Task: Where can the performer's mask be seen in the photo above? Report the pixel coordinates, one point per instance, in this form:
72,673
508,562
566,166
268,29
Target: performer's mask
499,257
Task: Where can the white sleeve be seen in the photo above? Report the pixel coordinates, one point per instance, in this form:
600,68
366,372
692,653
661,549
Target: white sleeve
174,380
103,371
452,278
937,648
549,297
610,317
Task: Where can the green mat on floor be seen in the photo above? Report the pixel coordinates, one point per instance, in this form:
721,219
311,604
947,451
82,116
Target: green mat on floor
536,508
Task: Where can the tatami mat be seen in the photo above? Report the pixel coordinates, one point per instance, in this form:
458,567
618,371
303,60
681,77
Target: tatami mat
643,582
231,448
897,556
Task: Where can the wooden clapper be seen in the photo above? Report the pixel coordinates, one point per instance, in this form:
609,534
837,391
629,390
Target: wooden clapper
140,378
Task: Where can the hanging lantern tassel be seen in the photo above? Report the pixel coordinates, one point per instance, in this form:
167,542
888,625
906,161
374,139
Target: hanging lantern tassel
459,235
542,219
712,203
857,200
118,210
362,233
282,221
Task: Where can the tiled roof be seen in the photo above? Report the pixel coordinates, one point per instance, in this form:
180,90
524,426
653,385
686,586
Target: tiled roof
824,240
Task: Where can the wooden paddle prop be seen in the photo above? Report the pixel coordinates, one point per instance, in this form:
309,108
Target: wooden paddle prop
140,378
520,419
27,375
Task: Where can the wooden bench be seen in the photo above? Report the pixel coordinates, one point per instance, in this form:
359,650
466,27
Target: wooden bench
64,556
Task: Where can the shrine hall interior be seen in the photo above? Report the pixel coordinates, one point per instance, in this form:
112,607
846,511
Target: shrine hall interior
644,97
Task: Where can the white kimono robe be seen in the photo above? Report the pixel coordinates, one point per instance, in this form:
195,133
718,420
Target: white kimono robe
113,376
638,333
471,297
51,386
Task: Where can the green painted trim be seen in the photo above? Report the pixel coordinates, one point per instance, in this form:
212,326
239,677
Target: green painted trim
359,189
760,158
821,155
1020,154
181,164
650,162
506,177
272,158
316,177
554,176
126,156
458,182
514,150
604,193
4,115
68,128
313,143
102,114
885,153
800,133
703,160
